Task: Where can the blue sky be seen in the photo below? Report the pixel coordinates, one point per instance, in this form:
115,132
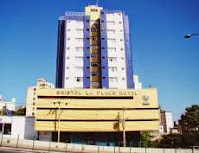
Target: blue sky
161,56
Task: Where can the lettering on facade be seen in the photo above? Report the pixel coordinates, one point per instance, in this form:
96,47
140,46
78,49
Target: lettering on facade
95,93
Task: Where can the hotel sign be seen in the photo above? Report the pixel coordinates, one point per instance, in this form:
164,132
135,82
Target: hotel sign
96,92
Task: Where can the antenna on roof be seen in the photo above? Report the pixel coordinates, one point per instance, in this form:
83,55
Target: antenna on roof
97,1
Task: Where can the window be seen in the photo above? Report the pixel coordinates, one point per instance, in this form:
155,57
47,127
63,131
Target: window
94,73
113,79
94,47
94,30
78,58
79,79
113,69
79,69
93,10
79,49
79,30
79,39
110,32
94,83
112,59
112,49
94,64
112,40
110,23
94,38
95,55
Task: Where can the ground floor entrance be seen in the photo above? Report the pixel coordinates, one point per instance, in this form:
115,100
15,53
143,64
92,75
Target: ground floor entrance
99,138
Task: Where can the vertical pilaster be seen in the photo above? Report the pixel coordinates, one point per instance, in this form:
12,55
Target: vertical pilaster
129,69
86,58
104,51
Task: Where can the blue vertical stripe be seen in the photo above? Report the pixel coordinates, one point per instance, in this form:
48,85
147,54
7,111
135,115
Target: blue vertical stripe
86,59
61,49
104,51
129,69
60,70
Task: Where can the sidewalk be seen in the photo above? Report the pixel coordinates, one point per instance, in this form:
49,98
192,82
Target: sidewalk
44,146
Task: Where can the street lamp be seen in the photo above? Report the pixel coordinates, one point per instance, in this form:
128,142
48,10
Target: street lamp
123,126
58,132
189,35
122,121
59,114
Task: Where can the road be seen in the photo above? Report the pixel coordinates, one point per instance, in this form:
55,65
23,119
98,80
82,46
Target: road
13,150
8,150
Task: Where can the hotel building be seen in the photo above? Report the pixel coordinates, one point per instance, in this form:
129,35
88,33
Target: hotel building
95,100
94,50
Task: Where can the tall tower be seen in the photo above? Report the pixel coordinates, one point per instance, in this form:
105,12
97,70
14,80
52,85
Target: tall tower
94,50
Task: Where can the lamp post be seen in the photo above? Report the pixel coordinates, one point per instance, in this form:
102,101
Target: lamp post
189,35
122,121
58,132
123,126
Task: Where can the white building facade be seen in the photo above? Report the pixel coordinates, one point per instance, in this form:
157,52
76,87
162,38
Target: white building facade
138,85
9,105
18,127
167,121
94,50
32,95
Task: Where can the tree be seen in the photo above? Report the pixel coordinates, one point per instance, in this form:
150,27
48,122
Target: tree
189,129
146,139
190,119
171,141
21,111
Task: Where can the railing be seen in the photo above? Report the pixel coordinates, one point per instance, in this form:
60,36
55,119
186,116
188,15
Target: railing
36,145
74,14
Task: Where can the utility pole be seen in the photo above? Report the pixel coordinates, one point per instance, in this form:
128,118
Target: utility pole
59,122
59,114
123,126
122,121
